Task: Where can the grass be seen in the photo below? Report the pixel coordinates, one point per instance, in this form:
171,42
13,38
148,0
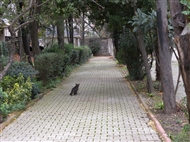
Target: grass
150,94
183,136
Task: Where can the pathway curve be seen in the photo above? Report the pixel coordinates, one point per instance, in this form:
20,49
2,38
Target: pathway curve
105,110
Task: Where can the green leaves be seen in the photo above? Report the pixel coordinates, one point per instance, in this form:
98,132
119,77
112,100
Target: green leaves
143,20
94,45
64,8
123,1
21,67
187,4
14,93
159,105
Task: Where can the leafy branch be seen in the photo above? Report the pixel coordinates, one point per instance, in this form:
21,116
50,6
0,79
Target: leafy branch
187,5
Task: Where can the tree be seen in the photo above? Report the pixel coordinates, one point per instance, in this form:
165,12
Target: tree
130,55
139,21
179,22
60,33
117,23
165,58
34,28
70,20
63,11
24,32
13,28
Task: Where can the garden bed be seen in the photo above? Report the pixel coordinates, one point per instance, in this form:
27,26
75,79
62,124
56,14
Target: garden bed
175,125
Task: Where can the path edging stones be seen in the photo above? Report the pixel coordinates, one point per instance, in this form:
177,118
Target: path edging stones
159,127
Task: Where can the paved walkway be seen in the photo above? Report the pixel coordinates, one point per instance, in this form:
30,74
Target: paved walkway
105,110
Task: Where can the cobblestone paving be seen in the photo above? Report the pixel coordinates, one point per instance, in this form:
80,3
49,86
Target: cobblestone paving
104,110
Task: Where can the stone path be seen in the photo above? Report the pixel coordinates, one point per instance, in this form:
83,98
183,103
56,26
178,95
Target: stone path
105,110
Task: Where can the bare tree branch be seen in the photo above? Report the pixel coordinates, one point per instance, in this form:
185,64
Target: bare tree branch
179,70
98,4
13,30
41,3
93,28
23,13
11,59
22,25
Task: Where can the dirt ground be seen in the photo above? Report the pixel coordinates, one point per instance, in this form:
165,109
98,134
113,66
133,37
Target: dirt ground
171,123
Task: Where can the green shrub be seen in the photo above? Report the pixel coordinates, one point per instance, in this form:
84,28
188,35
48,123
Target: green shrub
80,54
35,91
49,65
15,92
3,106
17,88
4,110
159,105
69,49
54,48
94,45
3,49
130,56
84,53
3,62
22,67
27,70
74,58
87,53
55,62
53,83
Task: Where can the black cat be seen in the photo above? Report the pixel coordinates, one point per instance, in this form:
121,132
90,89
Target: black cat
75,89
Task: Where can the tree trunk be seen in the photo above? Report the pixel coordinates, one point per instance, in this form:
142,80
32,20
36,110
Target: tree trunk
67,30
70,20
25,36
34,30
183,45
158,76
60,33
82,31
12,52
34,38
116,40
183,48
165,58
12,30
1,66
20,45
26,43
145,61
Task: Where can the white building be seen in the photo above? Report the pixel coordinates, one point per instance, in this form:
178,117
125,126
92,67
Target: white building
4,32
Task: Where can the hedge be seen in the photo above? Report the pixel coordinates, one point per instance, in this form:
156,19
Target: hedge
53,63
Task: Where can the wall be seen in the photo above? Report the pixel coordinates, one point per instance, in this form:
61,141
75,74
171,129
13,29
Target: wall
107,48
